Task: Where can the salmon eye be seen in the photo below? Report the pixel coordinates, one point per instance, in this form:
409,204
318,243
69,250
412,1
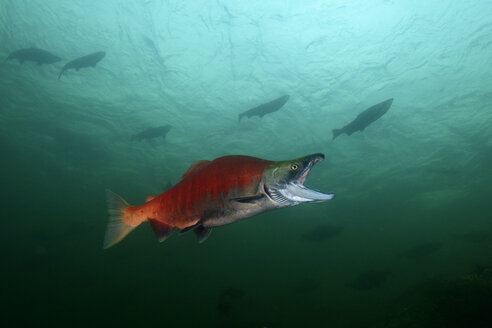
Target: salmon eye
294,167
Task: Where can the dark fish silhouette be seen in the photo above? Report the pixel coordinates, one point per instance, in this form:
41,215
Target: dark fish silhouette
475,236
482,271
36,55
264,109
306,285
152,133
370,279
421,250
86,61
364,119
227,298
321,233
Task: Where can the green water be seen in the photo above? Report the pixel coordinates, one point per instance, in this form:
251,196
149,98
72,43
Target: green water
413,189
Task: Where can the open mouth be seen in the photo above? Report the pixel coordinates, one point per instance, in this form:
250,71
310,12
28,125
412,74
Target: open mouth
314,159
295,192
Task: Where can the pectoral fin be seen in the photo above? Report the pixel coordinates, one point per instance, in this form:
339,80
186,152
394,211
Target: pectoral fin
202,233
249,199
190,228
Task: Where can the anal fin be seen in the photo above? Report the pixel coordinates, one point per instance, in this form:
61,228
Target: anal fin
161,229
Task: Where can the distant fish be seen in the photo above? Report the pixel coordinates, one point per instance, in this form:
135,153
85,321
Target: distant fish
364,119
421,250
152,133
321,233
475,236
370,280
482,271
264,109
36,55
306,286
82,62
227,298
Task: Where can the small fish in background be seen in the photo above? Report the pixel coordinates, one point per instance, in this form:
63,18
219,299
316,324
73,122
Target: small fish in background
228,298
364,119
152,133
420,250
264,109
36,55
321,233
306,285
482,271
370,280
82,62
475,237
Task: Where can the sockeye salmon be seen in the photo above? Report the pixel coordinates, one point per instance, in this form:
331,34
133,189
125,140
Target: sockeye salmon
216,193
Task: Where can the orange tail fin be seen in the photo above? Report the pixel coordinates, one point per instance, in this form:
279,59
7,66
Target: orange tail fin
116,229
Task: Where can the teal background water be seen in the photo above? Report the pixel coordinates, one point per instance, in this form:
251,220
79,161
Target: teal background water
421,174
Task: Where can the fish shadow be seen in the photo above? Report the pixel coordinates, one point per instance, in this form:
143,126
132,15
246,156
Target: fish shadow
371,279
420,251
321,233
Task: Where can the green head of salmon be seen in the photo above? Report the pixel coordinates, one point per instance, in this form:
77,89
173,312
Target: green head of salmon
284,182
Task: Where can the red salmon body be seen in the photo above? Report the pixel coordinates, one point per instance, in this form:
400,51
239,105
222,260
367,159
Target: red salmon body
215,193
203,190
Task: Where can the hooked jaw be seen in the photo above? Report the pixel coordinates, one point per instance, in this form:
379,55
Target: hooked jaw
293,191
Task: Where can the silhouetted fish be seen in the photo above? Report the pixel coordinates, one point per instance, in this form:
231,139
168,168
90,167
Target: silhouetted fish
475,236
86,61
321,233
370,279
421,250
482,271
227,298
36,55
267,108
365,118
151,133
306,285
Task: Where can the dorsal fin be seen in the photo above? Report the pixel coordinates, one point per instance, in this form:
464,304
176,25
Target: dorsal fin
195,167
149,198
